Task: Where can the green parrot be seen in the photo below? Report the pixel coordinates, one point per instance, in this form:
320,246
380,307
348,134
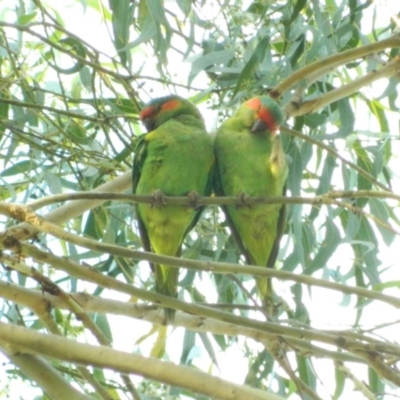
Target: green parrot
250,162
175,158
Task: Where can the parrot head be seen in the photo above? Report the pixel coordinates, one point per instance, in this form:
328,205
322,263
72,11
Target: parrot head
267,114
160,110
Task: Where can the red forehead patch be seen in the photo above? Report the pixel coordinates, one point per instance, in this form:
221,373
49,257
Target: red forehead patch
148,112
268,118
170,105
254,103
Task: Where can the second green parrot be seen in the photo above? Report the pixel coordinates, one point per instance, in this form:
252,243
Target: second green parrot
250,162
175,158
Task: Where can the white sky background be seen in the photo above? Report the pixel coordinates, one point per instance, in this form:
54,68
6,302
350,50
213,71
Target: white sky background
324,306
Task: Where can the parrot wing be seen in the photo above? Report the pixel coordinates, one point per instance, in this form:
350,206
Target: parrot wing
219,191
139,159
281,227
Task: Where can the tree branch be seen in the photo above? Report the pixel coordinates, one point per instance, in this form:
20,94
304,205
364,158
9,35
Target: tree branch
209,201
9,242
285,332
40,371
334,61
74,209
337,155
56,347
294,109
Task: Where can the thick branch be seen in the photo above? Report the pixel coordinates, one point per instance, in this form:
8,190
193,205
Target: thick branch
286,332
44,374
56,347
32,298
334,61
7,241
74,209
220,201
294,110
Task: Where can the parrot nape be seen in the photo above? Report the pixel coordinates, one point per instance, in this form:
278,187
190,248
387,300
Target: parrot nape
250,162
175,158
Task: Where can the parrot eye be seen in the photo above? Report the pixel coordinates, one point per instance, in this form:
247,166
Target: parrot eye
149,123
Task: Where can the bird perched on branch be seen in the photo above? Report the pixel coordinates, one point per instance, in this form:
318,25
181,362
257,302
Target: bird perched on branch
250,162
175,158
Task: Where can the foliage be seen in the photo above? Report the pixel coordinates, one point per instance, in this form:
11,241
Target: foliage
73,79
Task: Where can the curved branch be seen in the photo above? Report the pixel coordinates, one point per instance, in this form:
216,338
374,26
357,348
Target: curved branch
334,61
56,111
75,209
7,241
56,347
29,297
43,373
287,333
294,109
334,153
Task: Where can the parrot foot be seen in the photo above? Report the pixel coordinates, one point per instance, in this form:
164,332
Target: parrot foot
242,200
158,198
270,308
193,199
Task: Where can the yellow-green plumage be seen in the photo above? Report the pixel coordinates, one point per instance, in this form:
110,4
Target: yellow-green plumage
176,157
250,161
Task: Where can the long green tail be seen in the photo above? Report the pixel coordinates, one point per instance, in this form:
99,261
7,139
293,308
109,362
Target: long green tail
167,284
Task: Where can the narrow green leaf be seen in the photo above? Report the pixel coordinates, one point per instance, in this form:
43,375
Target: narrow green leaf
208,346
207,60
314,120
185,6
340,380
297,9
375,382
379,209
347,119
147,32
77,47
122,19
298,50
85,75
298,235
306,371
295,175
22,167
367,251
327,247
251,66
325,182
259,369
101,321
77,133
353,9
25,19
364,162
189,340
157,11
4,109
378,110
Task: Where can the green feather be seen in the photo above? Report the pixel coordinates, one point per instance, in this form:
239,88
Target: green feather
176,157
250,160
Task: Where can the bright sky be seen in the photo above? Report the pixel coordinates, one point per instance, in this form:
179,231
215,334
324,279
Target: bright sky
328,309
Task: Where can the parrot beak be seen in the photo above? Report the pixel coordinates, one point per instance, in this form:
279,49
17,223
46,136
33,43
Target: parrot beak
258,126
149,124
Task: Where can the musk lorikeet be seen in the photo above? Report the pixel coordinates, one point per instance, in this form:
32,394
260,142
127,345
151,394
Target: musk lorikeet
175,158
250,162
